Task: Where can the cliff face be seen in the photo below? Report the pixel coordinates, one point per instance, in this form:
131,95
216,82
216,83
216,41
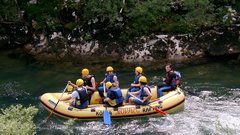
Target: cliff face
65,47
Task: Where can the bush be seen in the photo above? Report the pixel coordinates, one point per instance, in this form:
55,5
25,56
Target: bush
17,120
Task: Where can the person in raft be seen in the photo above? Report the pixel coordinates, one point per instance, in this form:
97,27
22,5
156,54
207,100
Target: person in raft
135,86
171,80
110,76
89,82
79,95
114,95
144,94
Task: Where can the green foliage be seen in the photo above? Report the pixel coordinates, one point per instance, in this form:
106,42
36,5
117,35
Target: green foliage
143,15
238,5
45,12
118,19
9,11
200,14
17,120
106,9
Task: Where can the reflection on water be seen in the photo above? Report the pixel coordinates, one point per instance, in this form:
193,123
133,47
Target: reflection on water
211,106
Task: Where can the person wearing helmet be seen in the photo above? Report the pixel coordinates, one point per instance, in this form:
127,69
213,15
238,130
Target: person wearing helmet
70,89
79,95
144,94
110,76
89,82
135,86
171,80
114,95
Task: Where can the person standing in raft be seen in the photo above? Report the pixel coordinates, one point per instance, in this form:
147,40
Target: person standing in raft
171,80
135,86
79,95
144,94
114,96
89,82
110,76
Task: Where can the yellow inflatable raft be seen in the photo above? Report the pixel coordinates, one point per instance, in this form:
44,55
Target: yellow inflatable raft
170,103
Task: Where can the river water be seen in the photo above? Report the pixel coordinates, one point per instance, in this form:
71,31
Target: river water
212,89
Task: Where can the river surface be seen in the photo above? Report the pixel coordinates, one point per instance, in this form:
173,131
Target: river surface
212,89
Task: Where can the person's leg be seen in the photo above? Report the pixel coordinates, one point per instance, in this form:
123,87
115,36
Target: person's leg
83,105
90,93
100,91
132,89
127,96
162,89
72,103
137,102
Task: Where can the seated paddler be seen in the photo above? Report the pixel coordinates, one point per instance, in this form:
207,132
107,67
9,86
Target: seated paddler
114,96
143,96
79,95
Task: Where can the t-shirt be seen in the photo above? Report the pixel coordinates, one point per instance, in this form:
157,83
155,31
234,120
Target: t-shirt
75,95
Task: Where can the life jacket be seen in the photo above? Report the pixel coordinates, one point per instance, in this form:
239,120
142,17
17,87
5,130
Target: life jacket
136,79
173,79
109,78
87,81
118,94
142,93
82,92
178,77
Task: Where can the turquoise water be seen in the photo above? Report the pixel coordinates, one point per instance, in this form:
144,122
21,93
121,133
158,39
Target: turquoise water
212,96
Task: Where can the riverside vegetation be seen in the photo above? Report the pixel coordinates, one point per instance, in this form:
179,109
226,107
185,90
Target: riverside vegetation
117,20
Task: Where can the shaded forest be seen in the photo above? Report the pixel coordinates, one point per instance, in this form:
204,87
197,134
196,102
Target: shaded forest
117,20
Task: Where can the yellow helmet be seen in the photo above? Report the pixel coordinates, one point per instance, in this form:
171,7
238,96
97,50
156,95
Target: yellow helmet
70,88
85,71
79,82
109,69
108,85
142,79
139,69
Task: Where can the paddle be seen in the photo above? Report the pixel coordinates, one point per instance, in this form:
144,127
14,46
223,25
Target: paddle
106,114
56,104
154,108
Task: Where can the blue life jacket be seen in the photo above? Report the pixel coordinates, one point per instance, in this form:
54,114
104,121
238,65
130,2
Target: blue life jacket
82,92
136,79
176,79
142,93
118,94
109,78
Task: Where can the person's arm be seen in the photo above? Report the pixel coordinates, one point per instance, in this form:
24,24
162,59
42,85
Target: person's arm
135,93
148,93
70,83
135,85
103,81
68,97
115,83
93,88
109,95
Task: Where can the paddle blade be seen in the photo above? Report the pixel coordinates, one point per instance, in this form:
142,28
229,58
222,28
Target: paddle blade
160,111
106,117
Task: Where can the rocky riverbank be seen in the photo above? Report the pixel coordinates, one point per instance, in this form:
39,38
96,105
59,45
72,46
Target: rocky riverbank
59,46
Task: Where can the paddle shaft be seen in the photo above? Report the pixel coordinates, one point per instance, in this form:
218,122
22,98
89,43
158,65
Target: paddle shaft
56,104
154,108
